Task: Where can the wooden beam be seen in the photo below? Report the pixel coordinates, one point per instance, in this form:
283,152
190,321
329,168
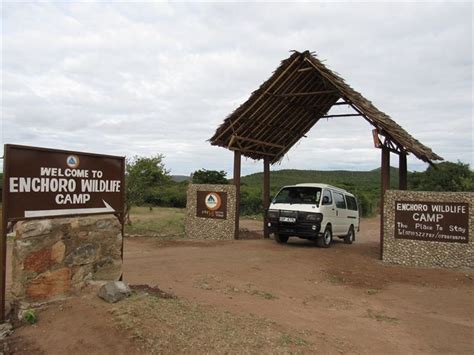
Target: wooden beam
384,186
307,93
259,142
342,115
237,161
305,69
3,237
266,195
252,151
341,103
232,139
402,171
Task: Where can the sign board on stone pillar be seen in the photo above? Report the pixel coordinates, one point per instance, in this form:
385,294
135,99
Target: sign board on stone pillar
429,228
210,211
40,183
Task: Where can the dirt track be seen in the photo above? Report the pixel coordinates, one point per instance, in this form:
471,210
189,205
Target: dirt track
343,297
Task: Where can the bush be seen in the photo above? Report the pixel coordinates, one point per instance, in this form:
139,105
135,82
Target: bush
170,195
251,202
204,176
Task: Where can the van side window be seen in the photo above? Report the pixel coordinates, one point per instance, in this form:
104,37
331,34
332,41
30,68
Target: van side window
351,203
339,198
327,198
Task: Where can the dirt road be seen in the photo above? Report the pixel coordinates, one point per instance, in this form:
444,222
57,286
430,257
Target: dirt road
343,298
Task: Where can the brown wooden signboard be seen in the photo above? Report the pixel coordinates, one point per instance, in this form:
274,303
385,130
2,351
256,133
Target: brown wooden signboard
211,204
45,183
432,221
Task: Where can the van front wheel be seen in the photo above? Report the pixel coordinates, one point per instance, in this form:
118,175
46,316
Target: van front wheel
325,240
350,237
281,238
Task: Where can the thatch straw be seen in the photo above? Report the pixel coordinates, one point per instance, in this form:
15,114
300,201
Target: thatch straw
286,106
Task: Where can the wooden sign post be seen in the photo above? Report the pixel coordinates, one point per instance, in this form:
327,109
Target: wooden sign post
47,183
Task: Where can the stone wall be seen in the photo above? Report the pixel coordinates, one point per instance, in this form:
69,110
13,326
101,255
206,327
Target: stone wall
421,252
52,258
210,228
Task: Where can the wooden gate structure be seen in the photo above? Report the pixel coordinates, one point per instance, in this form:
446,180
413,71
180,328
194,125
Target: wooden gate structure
284,108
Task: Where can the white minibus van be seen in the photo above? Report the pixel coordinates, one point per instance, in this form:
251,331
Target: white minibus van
317,212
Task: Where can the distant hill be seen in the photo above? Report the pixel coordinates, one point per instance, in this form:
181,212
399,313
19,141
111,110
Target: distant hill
180,178
341,178
365,185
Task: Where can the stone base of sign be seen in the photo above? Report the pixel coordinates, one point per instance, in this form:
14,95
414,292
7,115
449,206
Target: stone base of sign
210,228
53,258
427,253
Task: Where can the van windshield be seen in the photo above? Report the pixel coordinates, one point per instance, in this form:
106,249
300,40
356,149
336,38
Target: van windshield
301,195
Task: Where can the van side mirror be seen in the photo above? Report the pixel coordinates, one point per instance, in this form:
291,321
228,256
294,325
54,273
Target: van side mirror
325,200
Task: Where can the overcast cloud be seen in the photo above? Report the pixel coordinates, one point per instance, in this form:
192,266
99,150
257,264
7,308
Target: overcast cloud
140,79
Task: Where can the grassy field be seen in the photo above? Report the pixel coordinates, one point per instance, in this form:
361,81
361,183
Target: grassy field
157,221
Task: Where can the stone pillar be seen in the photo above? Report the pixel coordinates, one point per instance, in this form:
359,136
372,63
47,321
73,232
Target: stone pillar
54,257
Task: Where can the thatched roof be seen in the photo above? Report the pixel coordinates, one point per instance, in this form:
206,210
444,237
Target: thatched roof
299,93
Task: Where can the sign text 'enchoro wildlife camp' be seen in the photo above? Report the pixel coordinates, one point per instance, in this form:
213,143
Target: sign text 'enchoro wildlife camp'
43,182
432,221
211,204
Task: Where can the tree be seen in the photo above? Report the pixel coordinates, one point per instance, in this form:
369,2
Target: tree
142,175
204,176
445,176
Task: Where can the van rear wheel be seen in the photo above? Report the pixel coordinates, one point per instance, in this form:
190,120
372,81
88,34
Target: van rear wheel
350,237
281,238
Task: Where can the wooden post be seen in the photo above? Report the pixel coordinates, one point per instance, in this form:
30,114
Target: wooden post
402,171
237,161
3,238
385,185
266,194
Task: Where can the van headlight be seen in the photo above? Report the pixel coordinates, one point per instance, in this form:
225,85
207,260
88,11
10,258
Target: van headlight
273,214
314,217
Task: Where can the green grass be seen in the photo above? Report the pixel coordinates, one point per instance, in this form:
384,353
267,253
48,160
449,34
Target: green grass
158,221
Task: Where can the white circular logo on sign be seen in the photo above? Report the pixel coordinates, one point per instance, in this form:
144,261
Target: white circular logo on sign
72,161
213,201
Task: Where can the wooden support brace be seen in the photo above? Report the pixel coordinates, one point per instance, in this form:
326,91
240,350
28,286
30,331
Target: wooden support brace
258,141
237,162
342,115
402,171
307,93
384,186
266,195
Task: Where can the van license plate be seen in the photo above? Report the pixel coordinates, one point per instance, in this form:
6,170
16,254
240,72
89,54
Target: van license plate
288,219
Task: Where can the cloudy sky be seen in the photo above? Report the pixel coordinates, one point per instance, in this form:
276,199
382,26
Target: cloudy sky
146,78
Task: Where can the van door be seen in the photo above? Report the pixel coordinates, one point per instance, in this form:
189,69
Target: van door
342,225
353,211
328,210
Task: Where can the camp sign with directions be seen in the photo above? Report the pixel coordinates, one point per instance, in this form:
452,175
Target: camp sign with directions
432,221
40,182
211,204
